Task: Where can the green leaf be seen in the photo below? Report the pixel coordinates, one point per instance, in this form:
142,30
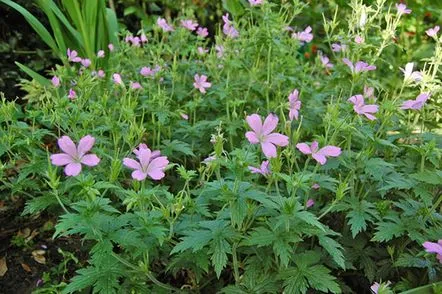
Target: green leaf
361,213
194,240
260,237
220,248
36,76
309,218
429,177
333,248
389,230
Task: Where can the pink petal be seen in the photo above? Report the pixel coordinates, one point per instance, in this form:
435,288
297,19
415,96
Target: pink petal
432,247
85,145
372,108
61,159
255,123
251,136
67,146
138,175
319,158
131,163
277,139
408,104
304,148
331,151
254,170
90,160
369,116
72,169
268,149
314,146
270,124
144,155
156,167
357,100
348,63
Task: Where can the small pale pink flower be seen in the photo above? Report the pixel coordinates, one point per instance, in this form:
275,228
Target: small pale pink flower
402,9
338,47
201,83
360,66
184,116
262,134
162,23
360,107
135,85
117,79
148,164
202,51
410,75
209,159
228,28
359,39
369,92
55,81
143,38
295,105
128,38
433,31
73,156
432,247
316,186
136,41
256,2
320,155
111,47
86,62
417,103
101,73
305,36
219,51
375,287
263,169
73,56
147,71
72,94
202,32
189,24
100,54
310,202
325,61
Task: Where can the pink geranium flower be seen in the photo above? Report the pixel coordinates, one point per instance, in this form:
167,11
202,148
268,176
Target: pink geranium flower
135,85
360,107
55,81
219,51
369,92
189,24
310,202
295,105
149,164
101,73
263,169
359,39
72,94
431,247
360,66
320,155
100,54
111,47
117,79
136,41
402,9
202,32
338,47
325,61
143,38
162,23
228,28
262,134
74,156
202,51
146,71
86,62
201,83
305,36
73,56
315,186
255,2
433,31
184,116
416,104
409,74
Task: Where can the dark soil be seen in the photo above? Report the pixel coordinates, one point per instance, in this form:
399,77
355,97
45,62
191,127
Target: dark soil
24,273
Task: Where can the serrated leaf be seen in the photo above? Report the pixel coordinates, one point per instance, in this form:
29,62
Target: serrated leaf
334,249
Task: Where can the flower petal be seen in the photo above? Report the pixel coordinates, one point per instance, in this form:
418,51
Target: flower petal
85,145
131,163
270,124
144,155
319,158
72,169
67,146
331,151
90,160
251,136
304,148
61,159
432,247
268,149
138,175
255,123
277,139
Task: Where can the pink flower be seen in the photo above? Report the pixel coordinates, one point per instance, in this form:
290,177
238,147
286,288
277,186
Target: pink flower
310,202
369,92
416,104
153,155
111,47
262,134
410,75
360,66
431,247
295,105
72,94
86,62
338,47
189,24
100,54
135,85
305,36
100,73
228,29
255,2
402,9
219,51
143,38
136,41
433,31
162,23
359,40
149,164
146,71
117,79
73,56
263,169
315,186
74,156
201,83
376,285
184,116
209,159
325,61
202,51
360,108
321,154
55,81
202,32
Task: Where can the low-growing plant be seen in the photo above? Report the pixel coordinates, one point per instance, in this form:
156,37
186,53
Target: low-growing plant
260,163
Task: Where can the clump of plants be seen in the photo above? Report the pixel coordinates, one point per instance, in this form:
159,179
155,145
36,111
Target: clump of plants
275,156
